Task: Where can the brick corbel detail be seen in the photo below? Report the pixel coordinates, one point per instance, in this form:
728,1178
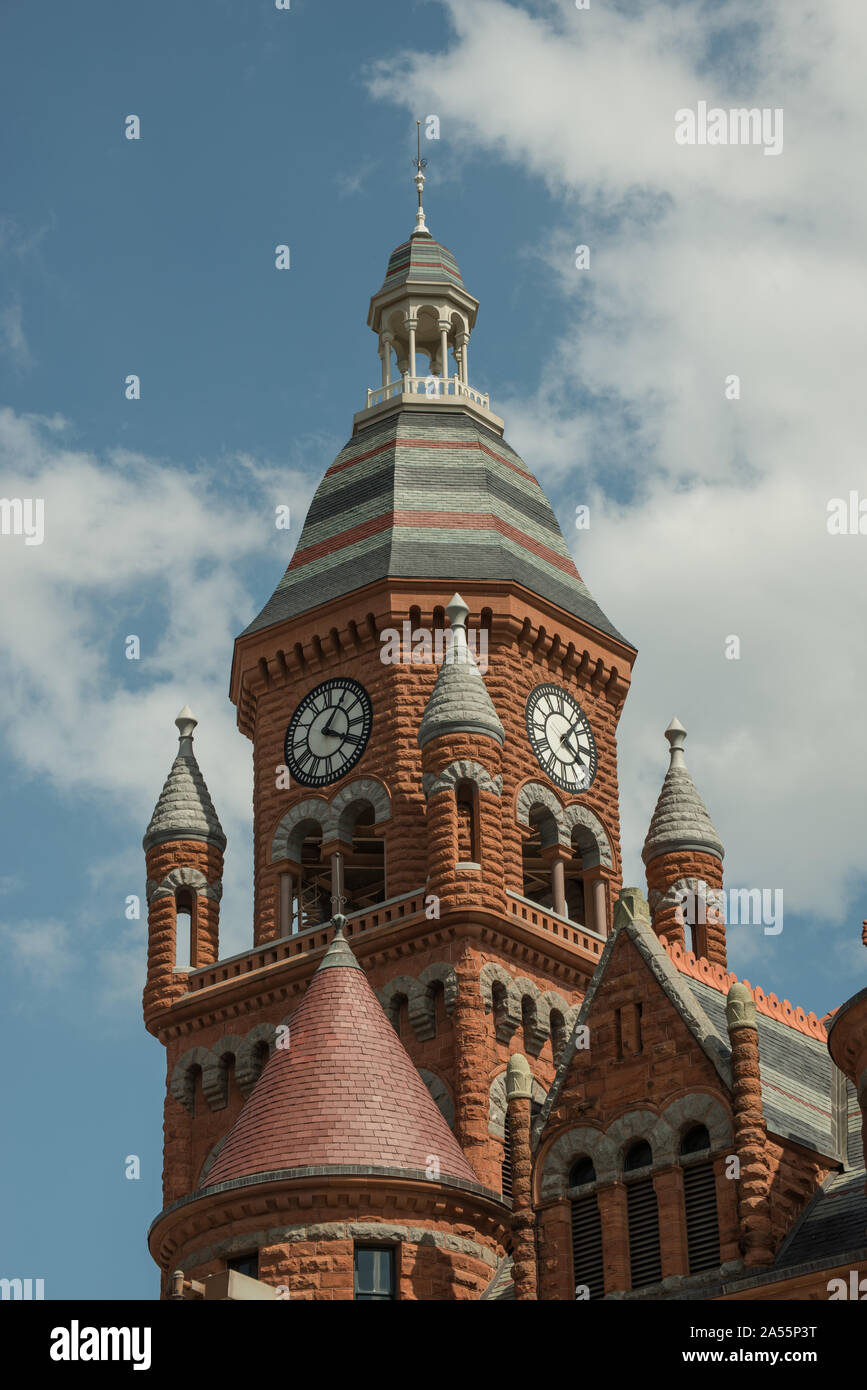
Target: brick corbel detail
750,1132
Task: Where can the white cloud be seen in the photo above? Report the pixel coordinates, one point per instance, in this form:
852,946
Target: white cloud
708,515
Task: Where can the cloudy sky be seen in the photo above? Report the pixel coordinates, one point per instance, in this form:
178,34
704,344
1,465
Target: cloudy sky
708,514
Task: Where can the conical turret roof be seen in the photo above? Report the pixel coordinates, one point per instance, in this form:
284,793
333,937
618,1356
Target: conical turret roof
343,1093
680,820
184,810
459,701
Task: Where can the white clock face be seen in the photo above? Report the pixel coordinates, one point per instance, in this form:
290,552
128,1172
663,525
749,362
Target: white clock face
561,737
328,732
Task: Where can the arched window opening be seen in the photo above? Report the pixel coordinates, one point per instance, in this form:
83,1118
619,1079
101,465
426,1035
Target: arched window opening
185,922
364,865
466,795
227,1071
583,1170
645,1260
558,1033
588,1270
639,1156
398,1013
536,872
312,905
499,1004
696,1140
576,908
261,1053
194,1082
529,1023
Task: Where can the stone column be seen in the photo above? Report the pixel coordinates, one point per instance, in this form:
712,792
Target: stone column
751,1142
673,1248
555,856
519,1089
412,325
444,347
600,906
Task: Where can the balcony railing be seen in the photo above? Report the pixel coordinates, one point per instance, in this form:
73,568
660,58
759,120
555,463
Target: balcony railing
528,911
434,387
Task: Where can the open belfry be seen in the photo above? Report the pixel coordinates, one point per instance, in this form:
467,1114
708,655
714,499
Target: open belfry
460,1060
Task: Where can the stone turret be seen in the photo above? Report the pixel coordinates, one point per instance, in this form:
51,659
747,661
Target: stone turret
183,846
683,857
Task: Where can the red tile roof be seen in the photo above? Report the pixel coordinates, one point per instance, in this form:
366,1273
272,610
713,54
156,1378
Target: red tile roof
343,1092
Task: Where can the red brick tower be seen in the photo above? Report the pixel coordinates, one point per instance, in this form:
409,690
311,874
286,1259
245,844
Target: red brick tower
473,799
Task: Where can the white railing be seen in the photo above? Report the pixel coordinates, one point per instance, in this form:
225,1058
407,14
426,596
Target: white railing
433,386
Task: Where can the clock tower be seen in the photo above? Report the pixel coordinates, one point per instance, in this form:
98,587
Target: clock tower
432,696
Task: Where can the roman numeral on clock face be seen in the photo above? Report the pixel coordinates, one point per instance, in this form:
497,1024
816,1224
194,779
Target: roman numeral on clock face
561,737
329,731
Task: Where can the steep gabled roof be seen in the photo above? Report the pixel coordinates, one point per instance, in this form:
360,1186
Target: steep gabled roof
342,1095
629,921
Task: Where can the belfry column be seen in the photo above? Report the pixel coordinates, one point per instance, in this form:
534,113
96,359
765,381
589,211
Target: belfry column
411,325
444,348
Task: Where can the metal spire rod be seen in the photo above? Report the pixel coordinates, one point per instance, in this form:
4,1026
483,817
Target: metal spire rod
420,164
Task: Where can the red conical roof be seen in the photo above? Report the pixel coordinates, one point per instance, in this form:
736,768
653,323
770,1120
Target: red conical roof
344,1092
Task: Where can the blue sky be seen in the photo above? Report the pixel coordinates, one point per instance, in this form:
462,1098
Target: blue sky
262,127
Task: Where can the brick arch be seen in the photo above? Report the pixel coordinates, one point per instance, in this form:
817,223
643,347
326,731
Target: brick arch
696,1109
713,897
462,770
182,1084
640,1124
593,838
555,1002
535,794
497,1103
440,1094
511,1019
247,1069
184,877
312,808
215,1078
360,790
582,1141
422,1003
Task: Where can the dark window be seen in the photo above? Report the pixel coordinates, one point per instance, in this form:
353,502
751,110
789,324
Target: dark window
245,1264
587,1267
639,1156
582,1172
695,1141
702,1222
645,1264
374,1273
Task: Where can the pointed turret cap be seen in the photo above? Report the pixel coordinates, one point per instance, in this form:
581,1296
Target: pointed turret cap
184,810
681,820
459,702
343,1093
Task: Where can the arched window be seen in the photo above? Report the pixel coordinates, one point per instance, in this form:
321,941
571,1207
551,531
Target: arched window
558,1033
587,1262
576,909
536,870
639,1156
582,1172
645,1259
466,796
185,928
261,1053
699,1199
364,866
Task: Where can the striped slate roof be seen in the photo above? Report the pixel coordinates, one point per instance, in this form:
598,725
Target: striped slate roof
429,495
421,259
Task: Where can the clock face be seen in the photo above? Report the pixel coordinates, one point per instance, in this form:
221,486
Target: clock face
328,732
561,737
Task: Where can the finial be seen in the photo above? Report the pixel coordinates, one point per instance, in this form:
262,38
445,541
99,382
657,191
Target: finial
185,723
676,735
419,181
338,900
458,613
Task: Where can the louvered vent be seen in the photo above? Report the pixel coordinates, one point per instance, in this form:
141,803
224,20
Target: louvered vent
702,1224
644,1257
506,1183
587,1245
